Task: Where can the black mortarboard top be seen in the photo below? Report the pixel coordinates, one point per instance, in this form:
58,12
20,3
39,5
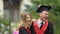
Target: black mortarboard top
43,8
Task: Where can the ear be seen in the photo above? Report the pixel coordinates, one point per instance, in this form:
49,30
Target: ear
39,14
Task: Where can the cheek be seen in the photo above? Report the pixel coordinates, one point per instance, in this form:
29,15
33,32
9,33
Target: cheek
47,15
28,19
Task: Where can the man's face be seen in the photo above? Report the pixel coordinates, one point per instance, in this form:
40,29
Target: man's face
44,14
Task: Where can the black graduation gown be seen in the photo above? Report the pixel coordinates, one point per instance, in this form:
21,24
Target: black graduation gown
23,30
49,29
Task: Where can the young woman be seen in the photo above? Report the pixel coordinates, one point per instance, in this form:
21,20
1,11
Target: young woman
25,29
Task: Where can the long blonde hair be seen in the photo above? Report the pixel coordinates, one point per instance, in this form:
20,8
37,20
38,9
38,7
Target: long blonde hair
23,16
23,20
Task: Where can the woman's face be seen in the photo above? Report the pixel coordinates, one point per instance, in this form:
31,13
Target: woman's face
28,19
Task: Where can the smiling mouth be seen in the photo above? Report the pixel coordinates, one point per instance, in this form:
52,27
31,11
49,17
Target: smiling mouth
46,17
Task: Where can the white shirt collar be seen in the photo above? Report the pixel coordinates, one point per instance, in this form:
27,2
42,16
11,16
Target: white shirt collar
39,21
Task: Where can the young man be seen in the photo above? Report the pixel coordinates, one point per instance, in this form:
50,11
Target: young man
42,25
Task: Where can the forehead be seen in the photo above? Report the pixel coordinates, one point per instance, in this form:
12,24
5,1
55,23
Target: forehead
28,15
44,12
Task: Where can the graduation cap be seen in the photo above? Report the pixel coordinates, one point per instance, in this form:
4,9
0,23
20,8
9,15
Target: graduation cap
43,8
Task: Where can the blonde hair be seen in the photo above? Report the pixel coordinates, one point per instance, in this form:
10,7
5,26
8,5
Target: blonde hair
23,17
23,20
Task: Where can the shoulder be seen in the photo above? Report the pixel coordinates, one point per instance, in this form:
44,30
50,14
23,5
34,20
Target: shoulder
50,23
21,28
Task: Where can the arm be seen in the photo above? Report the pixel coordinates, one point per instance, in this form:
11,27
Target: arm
50,29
